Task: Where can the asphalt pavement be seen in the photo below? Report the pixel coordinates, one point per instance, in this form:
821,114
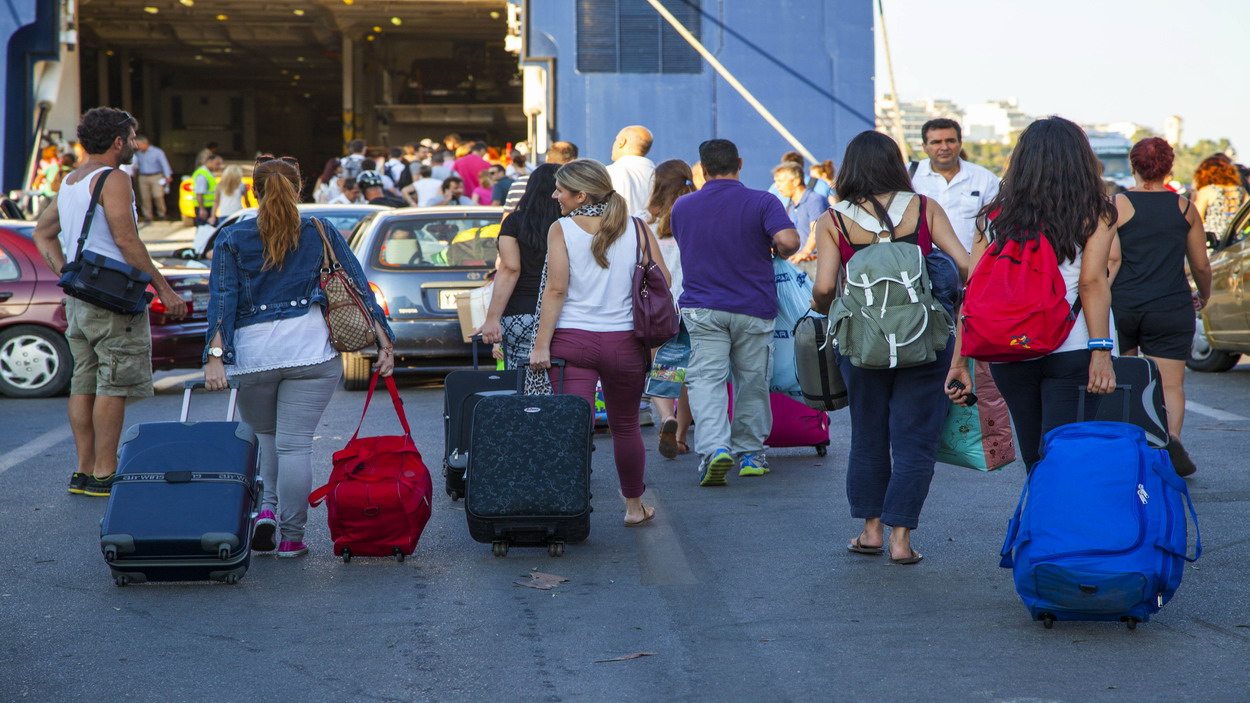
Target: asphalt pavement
743,593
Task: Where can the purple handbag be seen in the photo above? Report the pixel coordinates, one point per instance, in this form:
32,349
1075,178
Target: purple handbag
655,316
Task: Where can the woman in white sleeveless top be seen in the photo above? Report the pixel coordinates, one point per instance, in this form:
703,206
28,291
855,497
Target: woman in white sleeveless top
588,315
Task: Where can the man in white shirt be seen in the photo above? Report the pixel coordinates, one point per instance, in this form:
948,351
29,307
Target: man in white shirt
632,172
424,186
960,187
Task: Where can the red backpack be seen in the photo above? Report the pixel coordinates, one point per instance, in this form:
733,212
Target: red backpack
1016,307
378,496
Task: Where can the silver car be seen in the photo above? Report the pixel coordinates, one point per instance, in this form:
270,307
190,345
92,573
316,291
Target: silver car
417,261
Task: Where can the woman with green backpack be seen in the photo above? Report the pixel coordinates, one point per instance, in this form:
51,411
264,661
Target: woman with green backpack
895,340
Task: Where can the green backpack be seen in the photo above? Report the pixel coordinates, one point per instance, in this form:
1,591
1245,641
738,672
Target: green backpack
887,317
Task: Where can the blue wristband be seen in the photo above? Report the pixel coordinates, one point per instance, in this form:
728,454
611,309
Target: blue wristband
1101,344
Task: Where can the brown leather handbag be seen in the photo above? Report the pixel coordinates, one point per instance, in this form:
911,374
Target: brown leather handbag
351,325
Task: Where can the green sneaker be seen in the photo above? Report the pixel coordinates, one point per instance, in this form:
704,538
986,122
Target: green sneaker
77,482
100,487
753,465
714,468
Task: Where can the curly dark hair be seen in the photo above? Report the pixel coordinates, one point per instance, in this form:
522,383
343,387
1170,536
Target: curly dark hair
1052,187
101,126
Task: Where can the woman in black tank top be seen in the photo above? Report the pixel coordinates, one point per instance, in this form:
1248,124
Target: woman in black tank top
1150,294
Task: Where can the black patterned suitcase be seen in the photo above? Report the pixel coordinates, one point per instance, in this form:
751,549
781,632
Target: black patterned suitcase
1138,377
528,481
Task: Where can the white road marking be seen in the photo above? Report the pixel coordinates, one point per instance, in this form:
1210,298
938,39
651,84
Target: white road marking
1214,413
35,447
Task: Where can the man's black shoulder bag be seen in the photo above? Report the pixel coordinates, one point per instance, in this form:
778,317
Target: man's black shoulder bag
101,280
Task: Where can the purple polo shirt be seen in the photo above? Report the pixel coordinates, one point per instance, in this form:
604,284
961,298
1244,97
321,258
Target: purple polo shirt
725,233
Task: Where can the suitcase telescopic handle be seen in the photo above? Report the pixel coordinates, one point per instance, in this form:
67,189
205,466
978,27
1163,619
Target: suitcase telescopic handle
1124,413
556,363
189,386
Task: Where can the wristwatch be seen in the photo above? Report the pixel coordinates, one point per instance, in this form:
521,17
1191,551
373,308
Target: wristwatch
216,351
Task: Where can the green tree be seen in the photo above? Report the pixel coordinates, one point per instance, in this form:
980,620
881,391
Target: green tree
1189,156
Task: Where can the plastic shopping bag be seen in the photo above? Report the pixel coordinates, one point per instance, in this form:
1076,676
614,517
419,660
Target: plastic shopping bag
978,437
668,370
794,298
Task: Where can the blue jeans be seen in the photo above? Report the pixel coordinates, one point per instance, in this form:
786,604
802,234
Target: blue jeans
897,412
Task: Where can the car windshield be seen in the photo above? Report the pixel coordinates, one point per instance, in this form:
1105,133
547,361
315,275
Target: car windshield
438,242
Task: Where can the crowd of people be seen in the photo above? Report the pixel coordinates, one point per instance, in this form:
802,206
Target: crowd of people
563,289
569,245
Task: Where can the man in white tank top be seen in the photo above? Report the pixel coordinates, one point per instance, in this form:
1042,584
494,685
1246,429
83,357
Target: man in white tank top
112,351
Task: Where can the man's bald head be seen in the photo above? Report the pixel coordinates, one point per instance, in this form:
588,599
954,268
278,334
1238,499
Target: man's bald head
634,140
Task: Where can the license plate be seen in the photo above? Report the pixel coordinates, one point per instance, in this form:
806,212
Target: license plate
447,299
199,302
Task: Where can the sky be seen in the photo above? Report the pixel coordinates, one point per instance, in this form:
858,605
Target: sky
1090,61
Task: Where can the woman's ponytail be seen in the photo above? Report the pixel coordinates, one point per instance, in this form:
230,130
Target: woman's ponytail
590,177
278,217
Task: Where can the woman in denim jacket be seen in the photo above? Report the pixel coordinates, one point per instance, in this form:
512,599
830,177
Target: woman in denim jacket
263,284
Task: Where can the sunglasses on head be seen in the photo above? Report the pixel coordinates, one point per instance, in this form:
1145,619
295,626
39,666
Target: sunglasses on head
126,117
285,159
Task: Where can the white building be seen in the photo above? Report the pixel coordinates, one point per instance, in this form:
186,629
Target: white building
914,115
994,121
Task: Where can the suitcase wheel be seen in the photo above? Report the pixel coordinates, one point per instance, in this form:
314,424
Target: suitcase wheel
399,555
499,548
1130,621
822,449
232,579
555,549
455,495
121,580
347,555
1048,620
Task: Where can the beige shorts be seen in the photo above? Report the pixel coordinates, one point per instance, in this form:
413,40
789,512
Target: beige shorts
112,352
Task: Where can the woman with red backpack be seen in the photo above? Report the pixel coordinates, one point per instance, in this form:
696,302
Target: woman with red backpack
1052,215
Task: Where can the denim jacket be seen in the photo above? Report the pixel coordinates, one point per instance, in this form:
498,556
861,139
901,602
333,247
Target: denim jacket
242,292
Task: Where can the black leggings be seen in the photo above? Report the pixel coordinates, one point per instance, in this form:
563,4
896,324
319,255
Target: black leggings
1043,394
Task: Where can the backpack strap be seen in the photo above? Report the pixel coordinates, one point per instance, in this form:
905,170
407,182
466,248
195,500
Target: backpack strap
95,199
911,168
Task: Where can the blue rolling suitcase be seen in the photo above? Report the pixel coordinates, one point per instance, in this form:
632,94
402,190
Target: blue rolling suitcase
1100,531
182,506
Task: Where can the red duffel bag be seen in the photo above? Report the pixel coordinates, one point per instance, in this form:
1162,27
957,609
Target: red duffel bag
378,496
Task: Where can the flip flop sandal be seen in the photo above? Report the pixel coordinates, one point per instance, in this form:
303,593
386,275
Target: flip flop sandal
668,439
650,515
908,561
856,547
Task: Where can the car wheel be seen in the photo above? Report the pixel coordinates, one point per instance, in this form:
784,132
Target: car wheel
1203,357
34,362
356,371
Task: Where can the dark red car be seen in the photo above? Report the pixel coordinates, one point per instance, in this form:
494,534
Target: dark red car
35,360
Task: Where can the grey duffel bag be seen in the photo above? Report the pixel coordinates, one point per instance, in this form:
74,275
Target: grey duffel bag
816,365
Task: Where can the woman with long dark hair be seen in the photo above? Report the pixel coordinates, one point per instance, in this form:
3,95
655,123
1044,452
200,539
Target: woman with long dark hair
267,330
673,179
327,187
588,314
519,270
1052,189
896,413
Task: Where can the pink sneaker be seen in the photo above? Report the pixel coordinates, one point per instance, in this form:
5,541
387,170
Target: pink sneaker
265,532
292,549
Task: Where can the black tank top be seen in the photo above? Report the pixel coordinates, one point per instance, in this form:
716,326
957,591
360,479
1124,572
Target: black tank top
1153,245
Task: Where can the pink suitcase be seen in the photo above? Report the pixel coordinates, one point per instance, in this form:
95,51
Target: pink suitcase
794,424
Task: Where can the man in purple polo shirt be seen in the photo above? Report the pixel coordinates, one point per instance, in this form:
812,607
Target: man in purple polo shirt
726,233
